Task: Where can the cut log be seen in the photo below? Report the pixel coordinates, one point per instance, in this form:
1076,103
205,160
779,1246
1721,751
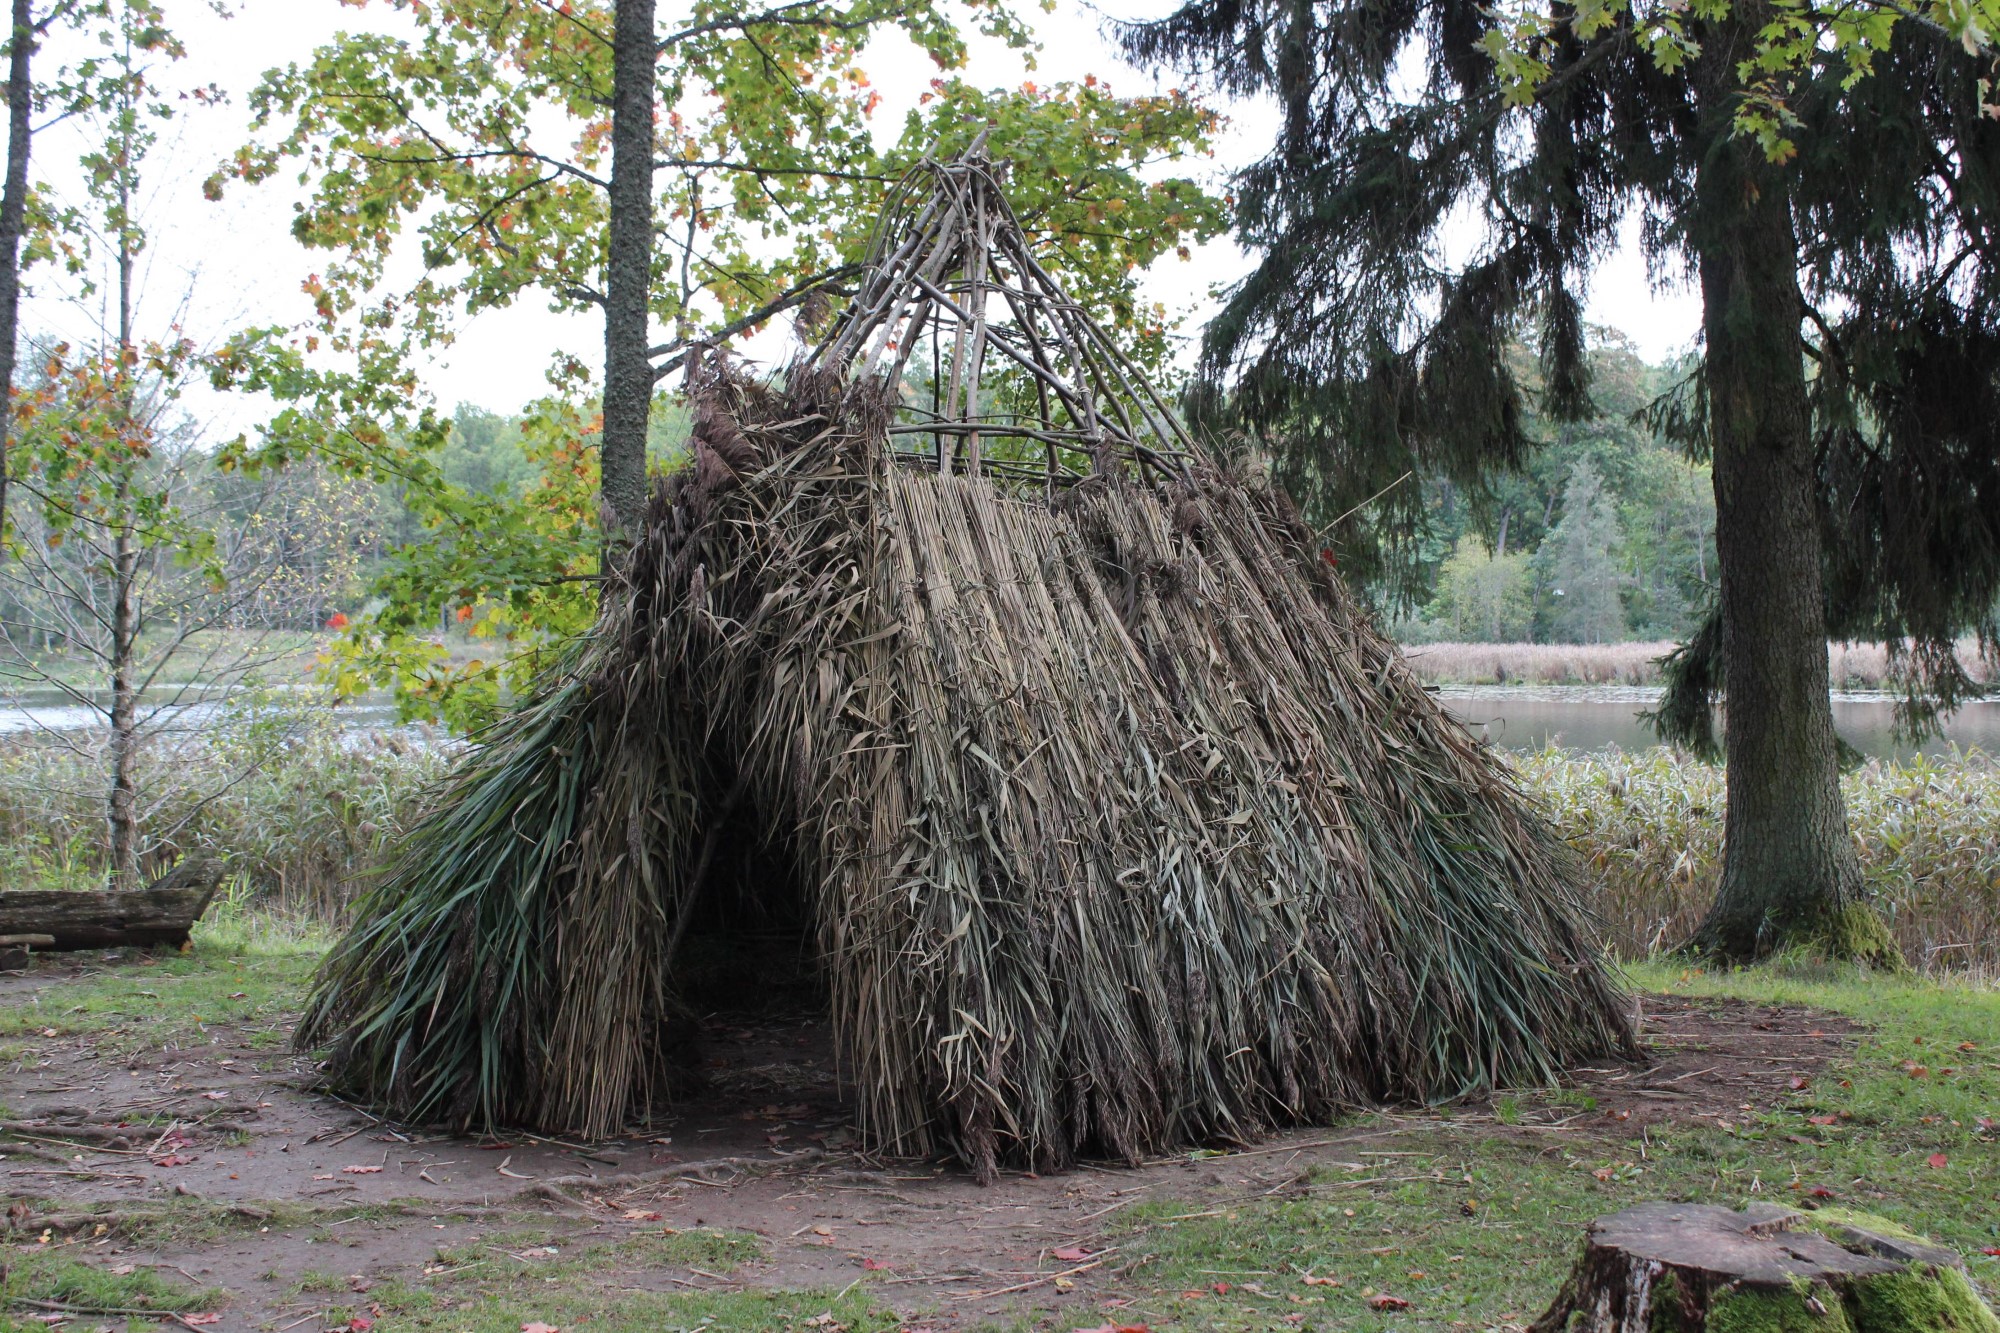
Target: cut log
1697,1268
161,913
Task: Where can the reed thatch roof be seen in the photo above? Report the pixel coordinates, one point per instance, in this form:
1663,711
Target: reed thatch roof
1120,825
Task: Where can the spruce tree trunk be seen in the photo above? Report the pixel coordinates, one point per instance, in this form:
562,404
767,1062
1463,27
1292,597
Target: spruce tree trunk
1790,875
628,370
13,218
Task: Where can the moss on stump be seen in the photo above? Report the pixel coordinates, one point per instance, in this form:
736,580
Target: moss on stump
1697,1268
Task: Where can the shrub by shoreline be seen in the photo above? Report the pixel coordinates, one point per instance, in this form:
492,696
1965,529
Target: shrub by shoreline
1649,827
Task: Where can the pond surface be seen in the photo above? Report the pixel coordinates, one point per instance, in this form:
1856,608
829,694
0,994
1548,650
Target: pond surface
1596,717
176,711
1514,717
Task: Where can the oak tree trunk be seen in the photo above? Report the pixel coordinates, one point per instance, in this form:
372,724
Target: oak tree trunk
14,217
1790,875
628,370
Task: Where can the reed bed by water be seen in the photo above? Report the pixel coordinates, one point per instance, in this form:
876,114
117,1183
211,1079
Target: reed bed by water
1853,666
298,811
301,831
1649,824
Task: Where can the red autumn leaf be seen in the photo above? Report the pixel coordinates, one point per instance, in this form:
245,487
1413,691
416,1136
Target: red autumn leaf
1993,1250
1193,1295
1937,1161
1312,1281
1071,1253
173,1159
362,1170
360,1324
1799,1084
874,1265
539,1327
1968,1046
1820,1192
1822,1119
1220,1288
1384,1301
1326,554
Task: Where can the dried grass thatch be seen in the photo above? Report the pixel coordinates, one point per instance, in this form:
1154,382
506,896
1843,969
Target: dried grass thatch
1121,825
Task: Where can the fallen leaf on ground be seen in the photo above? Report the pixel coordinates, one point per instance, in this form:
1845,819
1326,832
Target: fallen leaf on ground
362,1170
874,1265
539,1328
1070,1253
1313,1281
1384,1301
1116,1328
1937,1161
1799,1084
1822,1119
640,1215
173,1159
209,1317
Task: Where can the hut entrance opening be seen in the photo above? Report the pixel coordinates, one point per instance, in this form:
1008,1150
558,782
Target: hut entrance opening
748,1028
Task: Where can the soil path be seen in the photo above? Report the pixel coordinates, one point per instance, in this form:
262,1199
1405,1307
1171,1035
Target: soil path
766,1148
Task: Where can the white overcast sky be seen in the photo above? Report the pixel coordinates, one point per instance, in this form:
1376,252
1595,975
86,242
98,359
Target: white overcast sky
217,267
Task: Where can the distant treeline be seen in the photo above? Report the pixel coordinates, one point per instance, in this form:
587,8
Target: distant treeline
1607,534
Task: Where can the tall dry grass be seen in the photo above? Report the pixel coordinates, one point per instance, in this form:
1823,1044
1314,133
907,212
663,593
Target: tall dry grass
1649,824
299,816
1853,666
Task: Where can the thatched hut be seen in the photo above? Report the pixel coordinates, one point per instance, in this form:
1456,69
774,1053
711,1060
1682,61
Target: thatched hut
1117,823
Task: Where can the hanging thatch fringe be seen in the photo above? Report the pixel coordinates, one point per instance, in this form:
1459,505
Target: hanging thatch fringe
1122,825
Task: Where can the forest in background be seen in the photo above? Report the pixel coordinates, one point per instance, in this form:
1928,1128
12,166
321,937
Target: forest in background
1605,535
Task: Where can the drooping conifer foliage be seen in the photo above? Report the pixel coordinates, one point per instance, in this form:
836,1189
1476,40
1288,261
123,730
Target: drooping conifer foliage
1842,224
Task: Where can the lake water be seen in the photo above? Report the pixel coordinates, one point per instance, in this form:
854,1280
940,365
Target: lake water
29,712
1590,717
1514,717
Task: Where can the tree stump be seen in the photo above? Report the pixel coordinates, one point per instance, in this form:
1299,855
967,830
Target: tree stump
1697,1268
161,913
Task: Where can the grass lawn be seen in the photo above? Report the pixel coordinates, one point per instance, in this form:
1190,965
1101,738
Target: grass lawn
1475,1228
1471,1216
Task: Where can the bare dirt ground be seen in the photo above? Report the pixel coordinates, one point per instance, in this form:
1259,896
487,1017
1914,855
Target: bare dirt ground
304,1184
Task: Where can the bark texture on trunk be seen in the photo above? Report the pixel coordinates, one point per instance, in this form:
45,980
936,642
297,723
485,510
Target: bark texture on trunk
628,370
122,807
1790,875
14,217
